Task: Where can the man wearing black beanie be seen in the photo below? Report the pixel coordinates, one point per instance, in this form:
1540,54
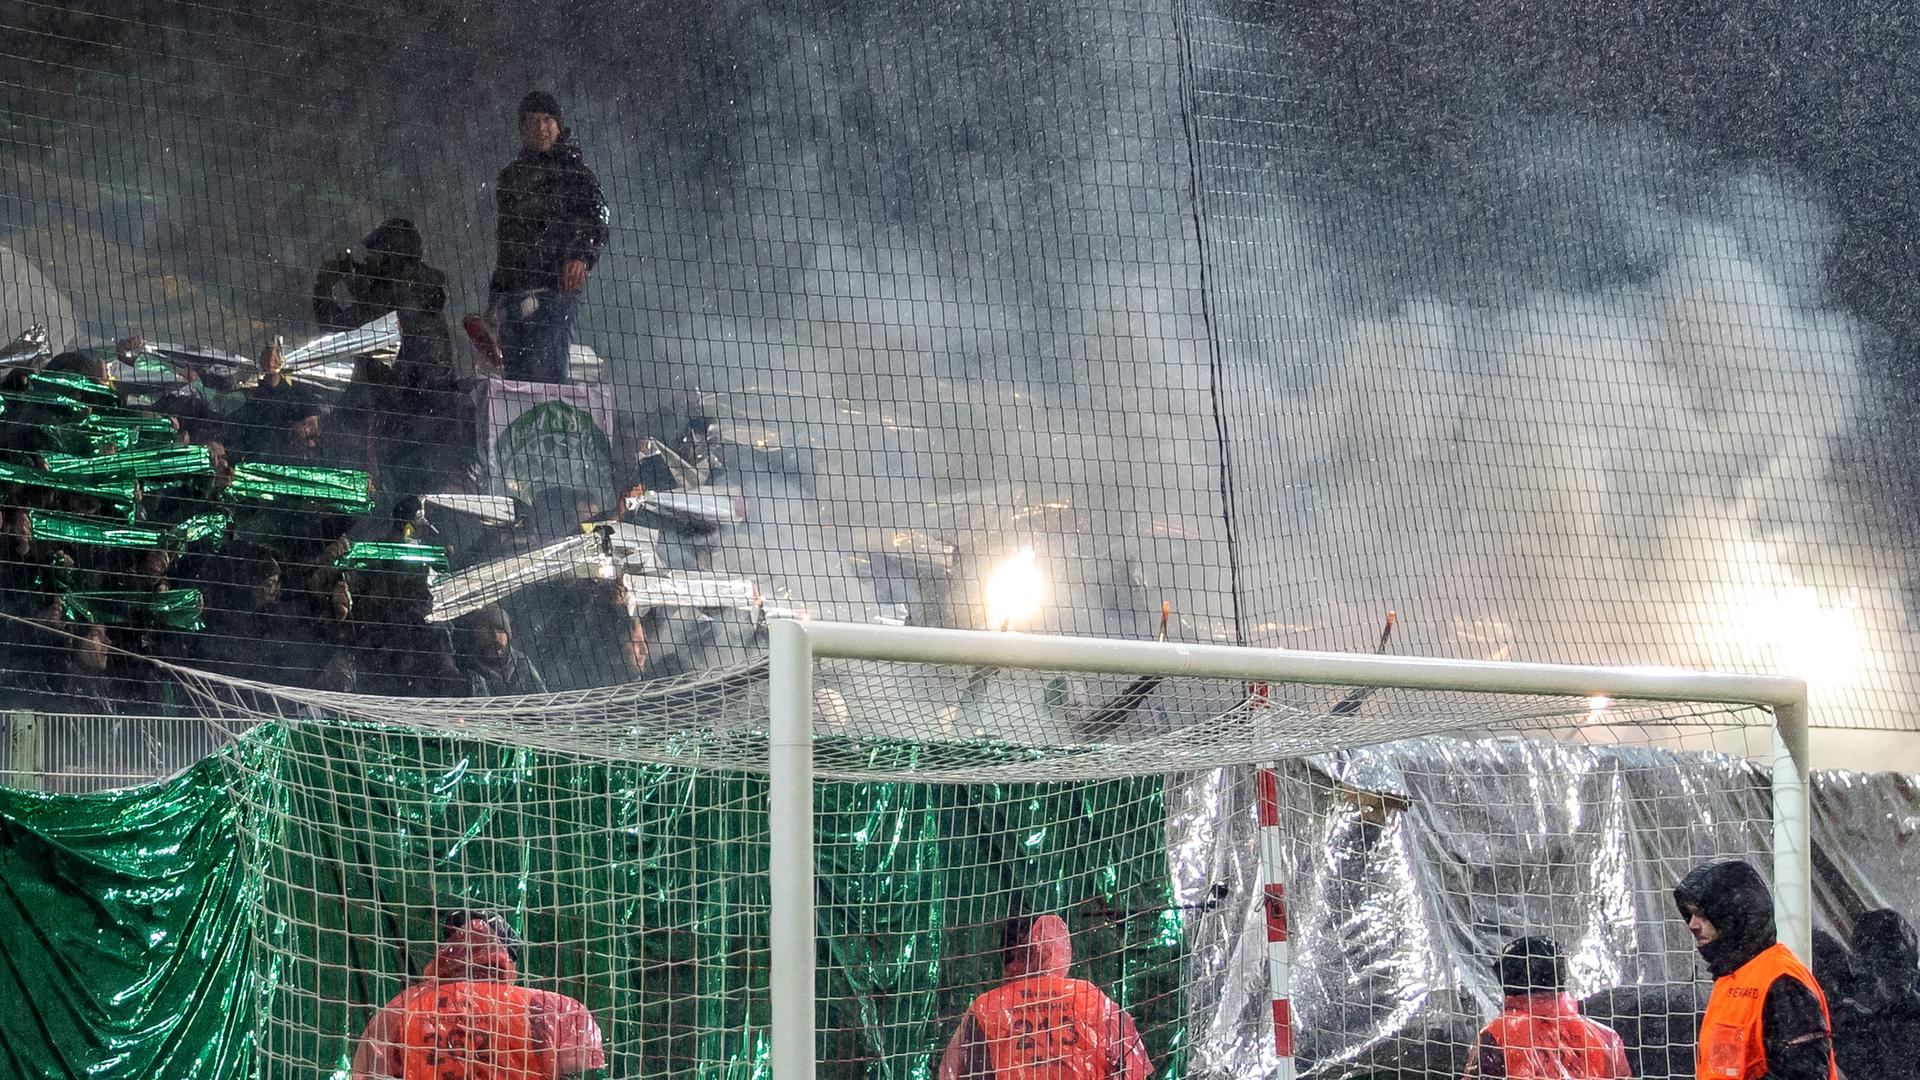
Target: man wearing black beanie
1767,1016
551,229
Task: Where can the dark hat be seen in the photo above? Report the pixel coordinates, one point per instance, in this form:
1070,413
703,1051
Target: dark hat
395,237
1531,965
492,617
539,101
497,925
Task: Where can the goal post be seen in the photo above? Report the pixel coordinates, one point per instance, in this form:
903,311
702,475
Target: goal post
796,647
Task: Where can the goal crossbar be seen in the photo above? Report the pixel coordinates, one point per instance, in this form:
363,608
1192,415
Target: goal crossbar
795,646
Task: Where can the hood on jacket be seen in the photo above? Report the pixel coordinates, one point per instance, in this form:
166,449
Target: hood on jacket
1038,946
479,947
1884,942
1531,965
1731,896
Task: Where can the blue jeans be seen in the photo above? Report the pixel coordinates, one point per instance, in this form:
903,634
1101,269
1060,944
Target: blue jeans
534,346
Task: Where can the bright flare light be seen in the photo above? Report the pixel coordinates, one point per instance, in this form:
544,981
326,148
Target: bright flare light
1819,642
1014,590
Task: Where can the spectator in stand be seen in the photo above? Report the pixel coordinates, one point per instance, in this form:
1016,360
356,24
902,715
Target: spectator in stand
279,421
468,1017
410,407
1877,1029
551,228
1767,1016
1540,1032
1040,1024
496,667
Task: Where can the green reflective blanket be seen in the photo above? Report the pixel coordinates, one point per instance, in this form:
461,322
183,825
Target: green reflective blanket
640,889
343,491
177,609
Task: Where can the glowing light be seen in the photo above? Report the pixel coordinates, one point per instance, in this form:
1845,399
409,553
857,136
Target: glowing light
1597,706
1014,591
1819,642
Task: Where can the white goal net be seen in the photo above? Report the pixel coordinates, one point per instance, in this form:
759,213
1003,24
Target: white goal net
1004,865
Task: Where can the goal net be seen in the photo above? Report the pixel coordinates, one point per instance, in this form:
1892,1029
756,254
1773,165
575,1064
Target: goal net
1007,867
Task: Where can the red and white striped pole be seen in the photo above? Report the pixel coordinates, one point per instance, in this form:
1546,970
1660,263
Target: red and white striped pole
1273,893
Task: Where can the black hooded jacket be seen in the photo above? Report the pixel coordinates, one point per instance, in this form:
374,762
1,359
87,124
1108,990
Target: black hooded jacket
551,212
1793,1026
1877,1029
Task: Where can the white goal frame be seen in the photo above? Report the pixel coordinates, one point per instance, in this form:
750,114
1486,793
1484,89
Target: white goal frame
794,647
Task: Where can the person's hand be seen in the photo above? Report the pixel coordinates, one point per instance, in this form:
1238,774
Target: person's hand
573,276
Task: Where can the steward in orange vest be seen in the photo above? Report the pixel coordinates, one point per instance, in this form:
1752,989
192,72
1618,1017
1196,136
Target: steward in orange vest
466,1019
1767,1016
1540,1034
1042,1025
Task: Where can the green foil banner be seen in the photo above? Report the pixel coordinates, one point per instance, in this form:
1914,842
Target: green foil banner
122,931
176,609
165,461
640,890
344,491
73,529
117,495
363,554
52,406
84,439
77,387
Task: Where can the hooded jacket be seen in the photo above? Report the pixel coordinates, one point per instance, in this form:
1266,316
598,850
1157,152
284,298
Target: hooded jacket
1540,1034
467,1000
1795,1032
551,211
1041,1024
1877,1028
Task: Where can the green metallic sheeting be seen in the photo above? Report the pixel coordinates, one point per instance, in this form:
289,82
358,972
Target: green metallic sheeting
120,934
640,890
363,554
305,487
176,609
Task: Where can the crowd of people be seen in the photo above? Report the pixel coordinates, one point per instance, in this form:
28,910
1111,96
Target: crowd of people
238,526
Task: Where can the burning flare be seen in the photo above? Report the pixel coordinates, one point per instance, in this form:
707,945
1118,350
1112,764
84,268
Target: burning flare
1014,590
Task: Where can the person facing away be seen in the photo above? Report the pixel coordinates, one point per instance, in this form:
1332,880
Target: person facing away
1877,1029
1767,1016
1540,1034
467,1018
1040,1024
552,225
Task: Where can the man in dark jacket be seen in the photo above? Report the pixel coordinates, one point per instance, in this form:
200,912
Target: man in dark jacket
1767,1016
408,410
495,666
1877,1030
552,226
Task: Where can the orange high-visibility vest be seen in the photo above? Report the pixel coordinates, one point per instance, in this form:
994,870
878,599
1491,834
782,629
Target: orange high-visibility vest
473,1031
1045,1027
1731,1043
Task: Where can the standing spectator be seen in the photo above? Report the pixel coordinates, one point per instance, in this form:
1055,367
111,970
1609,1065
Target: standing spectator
552,226
1767,1016
1040,1024
411,406
1540,1032
1877,1031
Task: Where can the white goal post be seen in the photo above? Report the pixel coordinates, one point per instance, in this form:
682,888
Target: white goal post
795,647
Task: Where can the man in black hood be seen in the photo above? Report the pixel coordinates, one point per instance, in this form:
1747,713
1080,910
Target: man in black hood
552,226
1878,1029
1767,1016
